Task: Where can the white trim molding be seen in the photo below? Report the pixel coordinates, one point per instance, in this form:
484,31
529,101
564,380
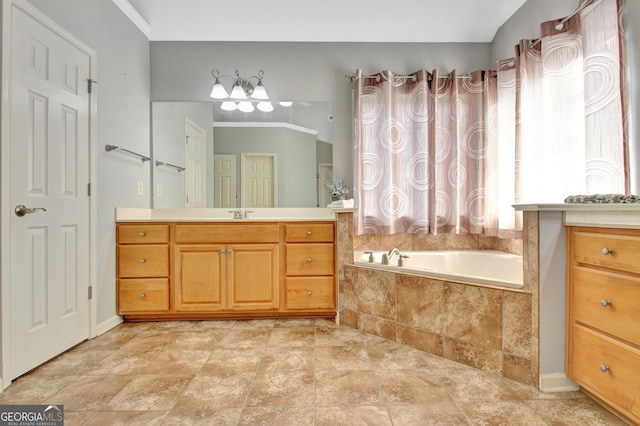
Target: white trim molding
557,382
134,16
264,124
107,325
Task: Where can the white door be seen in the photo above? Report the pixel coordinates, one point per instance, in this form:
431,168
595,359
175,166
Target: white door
224,181
50,247
195,164
258,180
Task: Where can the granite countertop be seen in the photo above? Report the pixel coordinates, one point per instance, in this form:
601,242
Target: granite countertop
611,215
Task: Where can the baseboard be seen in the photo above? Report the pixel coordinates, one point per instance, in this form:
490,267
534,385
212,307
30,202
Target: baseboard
557,382
107,325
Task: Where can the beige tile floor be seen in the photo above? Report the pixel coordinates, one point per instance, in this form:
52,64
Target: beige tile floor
280,372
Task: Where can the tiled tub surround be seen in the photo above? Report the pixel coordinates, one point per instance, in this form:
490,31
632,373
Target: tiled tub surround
482,327
490,329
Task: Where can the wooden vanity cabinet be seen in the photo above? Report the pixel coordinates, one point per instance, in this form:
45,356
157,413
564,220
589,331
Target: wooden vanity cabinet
142,268
310,266
226,270
238,273
603,315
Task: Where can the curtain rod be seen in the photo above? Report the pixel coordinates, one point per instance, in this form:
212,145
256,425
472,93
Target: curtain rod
354,77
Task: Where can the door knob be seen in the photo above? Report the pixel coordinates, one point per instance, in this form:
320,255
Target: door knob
22,210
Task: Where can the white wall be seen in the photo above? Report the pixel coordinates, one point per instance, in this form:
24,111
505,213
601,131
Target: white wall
302,72
632,25
123,120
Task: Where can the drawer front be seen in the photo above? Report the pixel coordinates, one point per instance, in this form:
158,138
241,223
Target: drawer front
143,295
618,384
151,260
143,234
588,248
311,293
607,301
309,233
309,259
228,233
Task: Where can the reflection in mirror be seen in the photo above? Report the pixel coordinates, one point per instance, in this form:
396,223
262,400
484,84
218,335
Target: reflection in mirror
182,137
257,159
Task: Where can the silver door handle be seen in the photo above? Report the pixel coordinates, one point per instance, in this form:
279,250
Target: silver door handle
22,210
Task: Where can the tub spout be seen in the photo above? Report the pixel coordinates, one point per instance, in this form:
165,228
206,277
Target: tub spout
392,252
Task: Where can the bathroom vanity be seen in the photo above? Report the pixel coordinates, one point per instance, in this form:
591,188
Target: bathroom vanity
181,264
603,309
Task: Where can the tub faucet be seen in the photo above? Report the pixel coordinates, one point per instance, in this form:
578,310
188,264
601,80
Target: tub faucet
392,252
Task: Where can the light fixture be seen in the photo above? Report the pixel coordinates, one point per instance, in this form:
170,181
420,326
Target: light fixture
286,103
265,106
242,88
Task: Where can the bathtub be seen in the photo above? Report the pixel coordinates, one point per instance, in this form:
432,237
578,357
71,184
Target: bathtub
483,267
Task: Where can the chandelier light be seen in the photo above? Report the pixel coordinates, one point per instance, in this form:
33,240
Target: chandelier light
242,92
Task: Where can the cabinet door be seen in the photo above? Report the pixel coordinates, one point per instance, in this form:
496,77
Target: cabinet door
253,276
199,277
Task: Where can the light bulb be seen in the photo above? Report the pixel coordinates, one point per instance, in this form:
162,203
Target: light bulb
259,92
238,92
229,106
218,91
245,106
265,106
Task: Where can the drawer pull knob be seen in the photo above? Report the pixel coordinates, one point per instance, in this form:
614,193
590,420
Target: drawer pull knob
309,259
223,251
604,368
230,251
141,260
141,295
309,293
605,303
606,251
309,232
142,234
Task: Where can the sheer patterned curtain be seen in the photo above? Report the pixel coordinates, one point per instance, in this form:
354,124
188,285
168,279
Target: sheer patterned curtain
453,153
420,152
572,134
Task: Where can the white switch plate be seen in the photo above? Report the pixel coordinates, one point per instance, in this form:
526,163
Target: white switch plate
140,187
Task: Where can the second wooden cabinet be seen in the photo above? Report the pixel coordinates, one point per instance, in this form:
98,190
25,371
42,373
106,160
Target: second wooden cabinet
241,270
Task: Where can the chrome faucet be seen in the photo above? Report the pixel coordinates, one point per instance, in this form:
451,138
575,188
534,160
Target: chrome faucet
237,213
392,252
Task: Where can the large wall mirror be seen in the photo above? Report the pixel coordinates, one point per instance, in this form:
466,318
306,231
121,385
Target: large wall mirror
204,156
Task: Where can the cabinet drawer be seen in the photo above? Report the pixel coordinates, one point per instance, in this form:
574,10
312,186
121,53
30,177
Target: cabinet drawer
593,288
619,385
143,234
588,248
309,233
228,233
149,260
143,295
309,259
311,293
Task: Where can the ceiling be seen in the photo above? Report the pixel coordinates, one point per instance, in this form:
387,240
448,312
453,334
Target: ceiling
322,20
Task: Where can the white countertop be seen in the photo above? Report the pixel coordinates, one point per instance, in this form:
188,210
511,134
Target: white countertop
602,215
223,215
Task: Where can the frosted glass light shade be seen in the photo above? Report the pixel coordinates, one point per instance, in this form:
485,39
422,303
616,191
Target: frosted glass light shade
265,106
245,106
229,106
238,92
218,91
286,103
259,92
